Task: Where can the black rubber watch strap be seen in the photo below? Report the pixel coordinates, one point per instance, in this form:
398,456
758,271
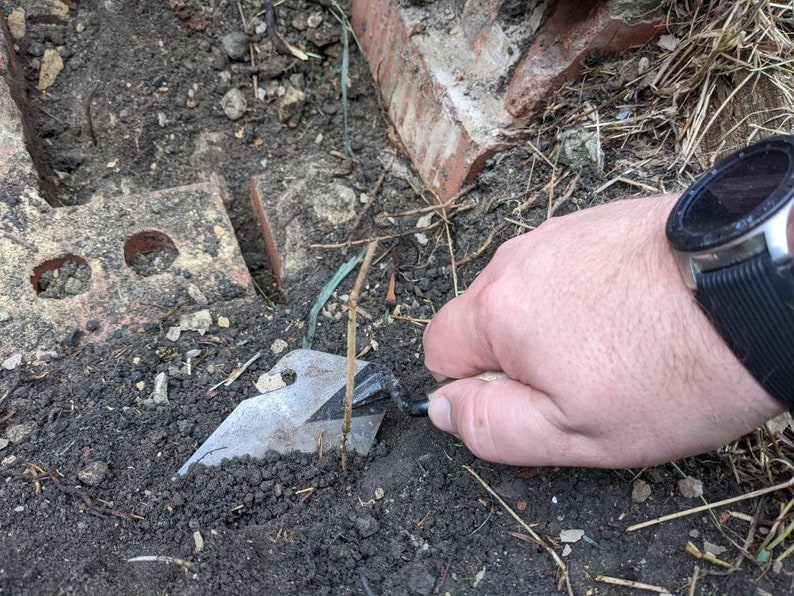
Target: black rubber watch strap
752,305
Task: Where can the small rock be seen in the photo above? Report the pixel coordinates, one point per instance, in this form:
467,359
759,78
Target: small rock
579,149
4,443
19,431
16,23
566,550
278,346
9,460
199,321
571,536
12,362
714,549
234,104
668,42
173,333
640,491
291,105
47,11
267,383
94,473
367,526
4,316
690,488
235,45
160,391
197,295
776,425
379,493
51,67
223,322
314,20
643,66
198,540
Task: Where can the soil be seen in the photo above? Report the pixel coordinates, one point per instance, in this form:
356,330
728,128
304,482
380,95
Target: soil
87,467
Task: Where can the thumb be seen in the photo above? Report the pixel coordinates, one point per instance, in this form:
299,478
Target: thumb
507,422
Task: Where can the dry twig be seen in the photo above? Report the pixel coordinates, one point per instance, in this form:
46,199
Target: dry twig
351,347
535,537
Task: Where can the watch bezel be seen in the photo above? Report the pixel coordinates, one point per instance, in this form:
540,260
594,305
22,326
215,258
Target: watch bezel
684,239
765,228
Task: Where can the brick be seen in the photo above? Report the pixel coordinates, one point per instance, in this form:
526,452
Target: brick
446,125
106,234
577,29
477,21
288,218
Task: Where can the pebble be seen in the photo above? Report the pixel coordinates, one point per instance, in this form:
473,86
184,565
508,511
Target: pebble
51,67
278,346
16,23
291,105
640,491
9,460
4,443
173,333
94,473
197,321
19,431
234,104
267,383
235,44
11,362
690,488
160,391
571,536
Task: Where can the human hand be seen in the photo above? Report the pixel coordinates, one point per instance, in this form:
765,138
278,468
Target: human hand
610,361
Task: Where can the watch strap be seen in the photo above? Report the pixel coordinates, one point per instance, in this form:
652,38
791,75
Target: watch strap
752,306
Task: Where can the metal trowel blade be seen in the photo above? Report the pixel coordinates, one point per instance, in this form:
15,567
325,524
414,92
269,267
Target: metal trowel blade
301,416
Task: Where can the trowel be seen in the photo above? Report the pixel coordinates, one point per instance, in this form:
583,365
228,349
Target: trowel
307,412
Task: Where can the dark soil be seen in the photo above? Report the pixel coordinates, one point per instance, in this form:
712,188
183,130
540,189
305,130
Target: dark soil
86,479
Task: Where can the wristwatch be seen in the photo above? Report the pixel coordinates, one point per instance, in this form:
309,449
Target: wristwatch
733,234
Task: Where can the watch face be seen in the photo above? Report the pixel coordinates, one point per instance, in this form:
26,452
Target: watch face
735,196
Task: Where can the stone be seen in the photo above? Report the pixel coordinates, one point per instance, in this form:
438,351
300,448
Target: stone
235,45
17,25
199,321
12,362
690,488
640,491
234,104
290,106
51,67
94,473
19,431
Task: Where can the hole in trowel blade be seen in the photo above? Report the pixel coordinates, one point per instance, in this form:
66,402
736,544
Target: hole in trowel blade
149,252
288,376
63,277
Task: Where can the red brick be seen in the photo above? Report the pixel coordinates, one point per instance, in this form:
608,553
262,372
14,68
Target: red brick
577,29
447,134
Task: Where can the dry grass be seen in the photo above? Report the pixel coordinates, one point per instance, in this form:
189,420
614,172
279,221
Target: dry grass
722,62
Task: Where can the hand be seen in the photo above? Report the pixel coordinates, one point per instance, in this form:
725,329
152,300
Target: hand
611,361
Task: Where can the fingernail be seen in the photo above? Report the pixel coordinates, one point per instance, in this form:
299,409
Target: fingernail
440,413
